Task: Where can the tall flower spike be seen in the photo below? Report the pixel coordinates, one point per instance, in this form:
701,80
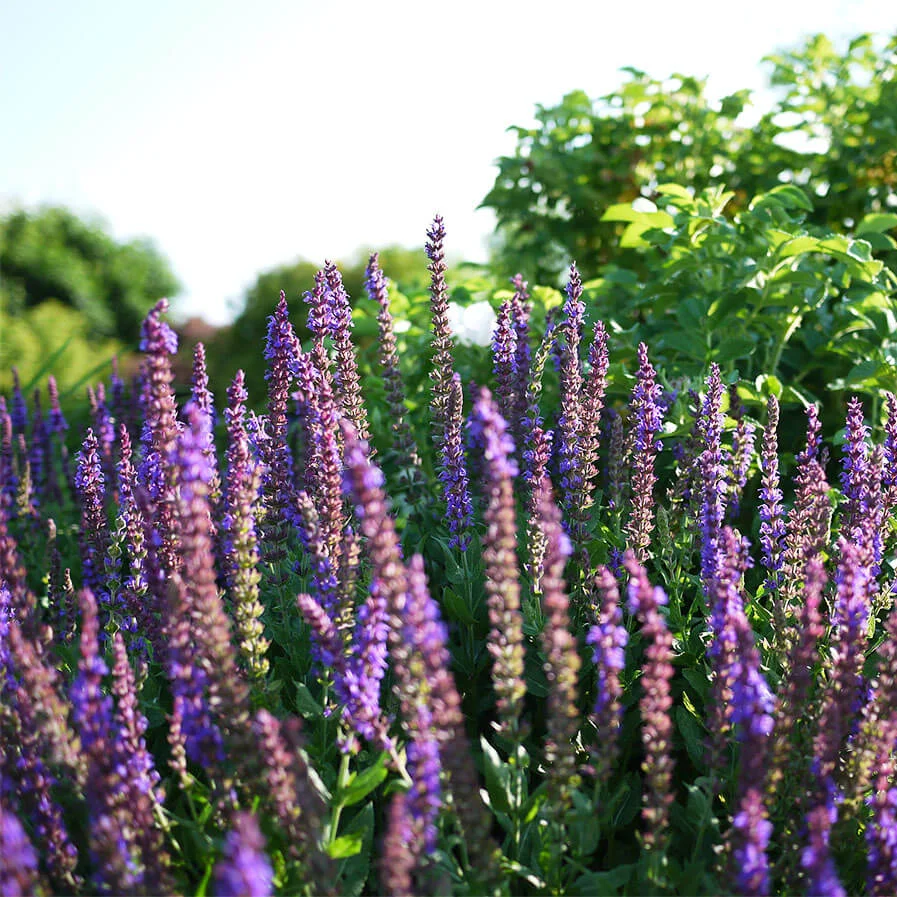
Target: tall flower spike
520,315
244,869
609,638
504,353
712,472
19,410
211,647
453,473
443,362
647,421
594,388
403,439
240,548
772,515
538,457
654,703
505,641
346,379
570,424
855,472
90,483
889,477
159,342
532,418
18,872
281,350
743,439
562,661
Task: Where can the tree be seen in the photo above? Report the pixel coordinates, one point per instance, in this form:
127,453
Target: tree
52,254
833,131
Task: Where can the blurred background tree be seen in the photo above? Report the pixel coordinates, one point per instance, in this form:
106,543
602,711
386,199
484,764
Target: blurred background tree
52,254
832,130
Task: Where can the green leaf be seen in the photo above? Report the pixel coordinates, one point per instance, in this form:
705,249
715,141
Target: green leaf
307,706
605,883
862,371
798,246
498,778
692,735
348,845
362,784
877,223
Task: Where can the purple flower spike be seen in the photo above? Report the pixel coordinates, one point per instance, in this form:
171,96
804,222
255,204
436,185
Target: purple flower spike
816,858
655,703
442,343
500,556
90,483
772,516
520,315
281,351
609,638
504,353
453,473
751,833
346,379
562,661
647,419
18,871
712,477
881,833
240,548
570,422
889,477
403,439
742,452
19,410
244,869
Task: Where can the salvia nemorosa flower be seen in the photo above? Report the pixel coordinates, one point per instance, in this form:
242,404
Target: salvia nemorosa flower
39,457
647,421
816,858
159,342
9,482
240,543
772,515
504,353
202,397
244,869
794,689
520,315
608,638
202,661
594,388
442,344
562,661
46,745
881,833
140,791
713,474
889,475
570,424
90,482
854,474
281,350
104,427
113,829
19,410
403,439
532,417
118,401
539,454
319,414
505,642
453,472
617,462
742,452
397,862
655,702
345,373
751,832
56,422
19,874
842,698
284,786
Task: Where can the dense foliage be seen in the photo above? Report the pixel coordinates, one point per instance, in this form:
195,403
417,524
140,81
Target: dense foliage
52,254
439,638
831,129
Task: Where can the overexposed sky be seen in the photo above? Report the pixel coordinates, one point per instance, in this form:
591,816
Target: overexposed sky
239,135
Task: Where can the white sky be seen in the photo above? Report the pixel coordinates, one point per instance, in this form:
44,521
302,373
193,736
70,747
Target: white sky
240,135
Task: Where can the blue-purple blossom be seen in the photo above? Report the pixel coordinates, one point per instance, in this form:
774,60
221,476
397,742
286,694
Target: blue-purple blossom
453,473
18,870
712,473
244,869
